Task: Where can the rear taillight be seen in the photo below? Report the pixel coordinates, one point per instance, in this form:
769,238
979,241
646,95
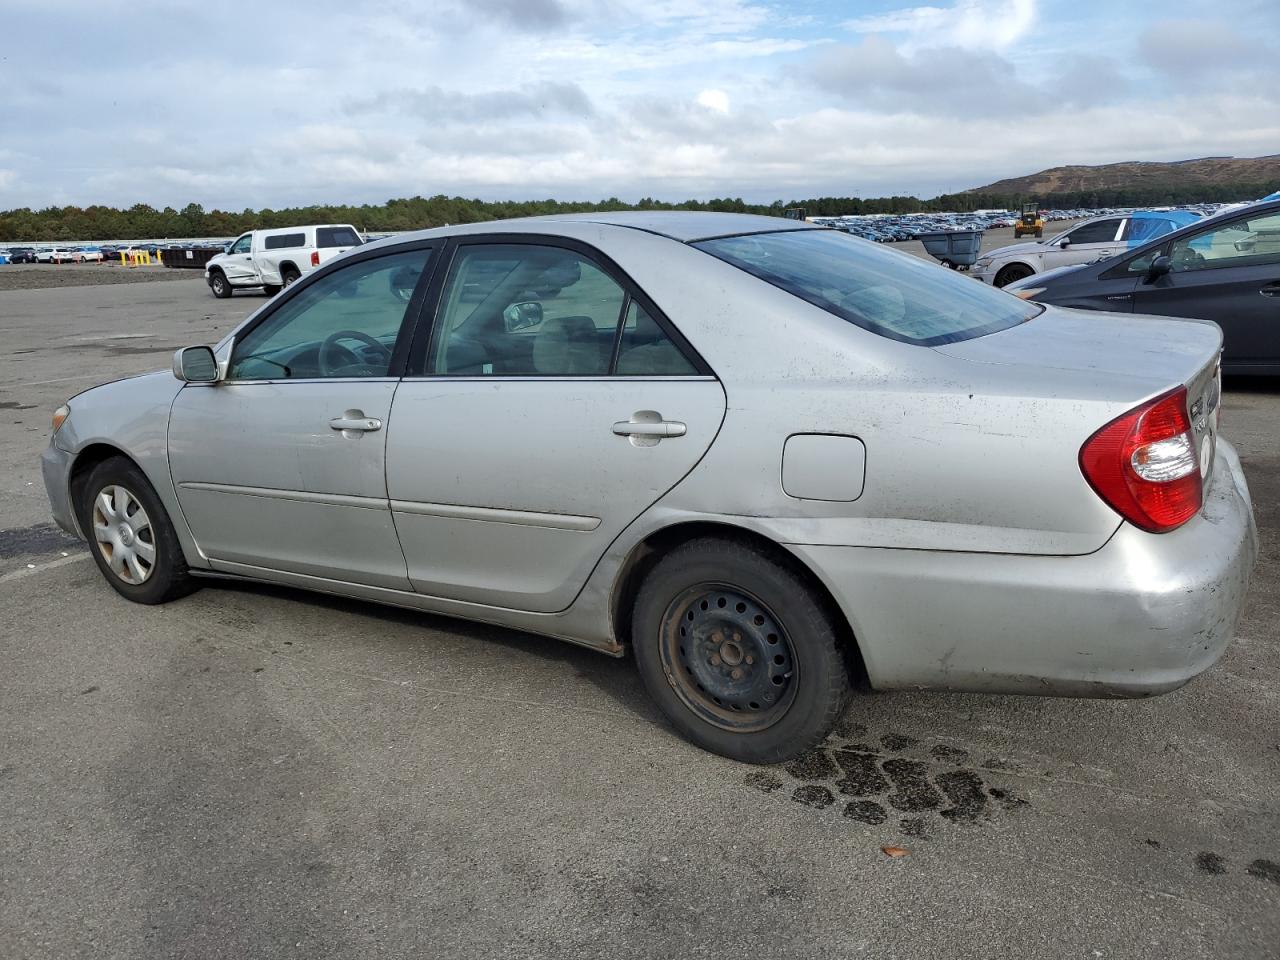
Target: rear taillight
315,258
1145,464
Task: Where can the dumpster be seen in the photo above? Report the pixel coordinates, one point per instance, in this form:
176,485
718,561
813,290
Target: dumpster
957,249
190,258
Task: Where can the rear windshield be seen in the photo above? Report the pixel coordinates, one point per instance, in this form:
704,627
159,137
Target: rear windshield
893,294
284,241
337,237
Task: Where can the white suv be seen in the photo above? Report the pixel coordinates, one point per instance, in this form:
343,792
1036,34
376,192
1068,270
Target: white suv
272,259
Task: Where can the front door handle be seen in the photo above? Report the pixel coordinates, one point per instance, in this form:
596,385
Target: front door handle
646,428
354,423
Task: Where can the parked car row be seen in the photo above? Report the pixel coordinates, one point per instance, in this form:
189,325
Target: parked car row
1225,269
1095,239
896,227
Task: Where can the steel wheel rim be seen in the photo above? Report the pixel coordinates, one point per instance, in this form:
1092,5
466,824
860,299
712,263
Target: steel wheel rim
728,657
124,534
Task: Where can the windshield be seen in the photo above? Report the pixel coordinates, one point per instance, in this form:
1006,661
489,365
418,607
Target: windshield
892,294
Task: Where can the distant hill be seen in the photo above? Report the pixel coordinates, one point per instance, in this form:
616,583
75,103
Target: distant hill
1181,176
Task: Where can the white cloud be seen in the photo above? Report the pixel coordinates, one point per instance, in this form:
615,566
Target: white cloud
583,99
971,24
716,101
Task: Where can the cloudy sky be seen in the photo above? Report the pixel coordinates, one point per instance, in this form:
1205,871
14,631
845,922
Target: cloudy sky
276,104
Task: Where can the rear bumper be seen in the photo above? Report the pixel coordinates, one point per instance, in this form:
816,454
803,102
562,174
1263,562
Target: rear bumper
1140,616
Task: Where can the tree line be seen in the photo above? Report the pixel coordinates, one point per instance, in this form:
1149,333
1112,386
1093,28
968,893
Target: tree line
415,213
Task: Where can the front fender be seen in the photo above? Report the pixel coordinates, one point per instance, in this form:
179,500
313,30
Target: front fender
131,416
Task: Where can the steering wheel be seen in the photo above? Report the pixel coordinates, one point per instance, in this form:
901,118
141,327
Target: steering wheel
337,361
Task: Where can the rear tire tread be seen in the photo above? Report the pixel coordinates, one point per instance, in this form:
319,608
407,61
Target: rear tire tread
806,617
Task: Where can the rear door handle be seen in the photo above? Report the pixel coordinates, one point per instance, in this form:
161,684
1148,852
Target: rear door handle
646,427
354,421
1271,290
663,428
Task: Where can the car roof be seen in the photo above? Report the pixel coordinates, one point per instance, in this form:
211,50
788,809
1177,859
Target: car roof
684,226
302,226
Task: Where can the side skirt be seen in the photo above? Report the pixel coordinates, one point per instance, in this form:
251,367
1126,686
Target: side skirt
543,624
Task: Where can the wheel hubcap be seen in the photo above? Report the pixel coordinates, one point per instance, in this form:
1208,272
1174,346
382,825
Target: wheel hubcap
728,657
123,533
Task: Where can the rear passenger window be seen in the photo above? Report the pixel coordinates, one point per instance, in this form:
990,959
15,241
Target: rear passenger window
284,241
336,237
645,350
1101,231
533,310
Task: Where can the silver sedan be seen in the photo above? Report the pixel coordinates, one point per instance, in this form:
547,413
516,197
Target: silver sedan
775,462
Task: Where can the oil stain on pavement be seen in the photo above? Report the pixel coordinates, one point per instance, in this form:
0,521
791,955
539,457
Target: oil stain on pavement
869,782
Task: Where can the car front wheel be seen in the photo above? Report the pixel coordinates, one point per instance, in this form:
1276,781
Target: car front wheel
1015,271
738,652
219,285
130,535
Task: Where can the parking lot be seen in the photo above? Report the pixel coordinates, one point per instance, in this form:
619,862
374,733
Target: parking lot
256,772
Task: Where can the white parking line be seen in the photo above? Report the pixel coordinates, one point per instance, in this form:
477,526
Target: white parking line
41,567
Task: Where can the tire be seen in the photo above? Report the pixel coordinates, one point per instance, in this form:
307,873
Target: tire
1039,233
1014,271
271,289
220,286
750,615
106,513
290,276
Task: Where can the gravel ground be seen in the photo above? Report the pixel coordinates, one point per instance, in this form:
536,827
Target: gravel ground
42,276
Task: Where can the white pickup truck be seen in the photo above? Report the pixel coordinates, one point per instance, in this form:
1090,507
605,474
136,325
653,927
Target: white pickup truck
272,259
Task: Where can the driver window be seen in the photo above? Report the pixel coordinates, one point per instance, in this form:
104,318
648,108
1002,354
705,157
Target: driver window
342,325
243,244
1250,241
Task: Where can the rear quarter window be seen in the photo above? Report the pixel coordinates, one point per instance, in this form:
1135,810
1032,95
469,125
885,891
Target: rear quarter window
284,241
895,295
337,237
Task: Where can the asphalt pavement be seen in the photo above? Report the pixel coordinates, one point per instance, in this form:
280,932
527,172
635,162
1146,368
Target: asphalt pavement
258,772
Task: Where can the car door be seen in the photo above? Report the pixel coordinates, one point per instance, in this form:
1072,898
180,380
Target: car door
1086,243
281,465
238,265
552,405
1228,273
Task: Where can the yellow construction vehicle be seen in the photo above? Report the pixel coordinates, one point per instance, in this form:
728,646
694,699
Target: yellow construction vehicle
1029,222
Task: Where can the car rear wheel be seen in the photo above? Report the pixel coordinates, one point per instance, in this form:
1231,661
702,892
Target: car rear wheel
738,652
1014,271
130,535
290,276
219,285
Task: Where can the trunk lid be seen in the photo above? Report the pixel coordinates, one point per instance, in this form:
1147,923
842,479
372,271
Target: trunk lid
1119,359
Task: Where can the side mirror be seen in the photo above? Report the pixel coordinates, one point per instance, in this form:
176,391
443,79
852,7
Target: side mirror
522,316
195,365
1064,242
1159,267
